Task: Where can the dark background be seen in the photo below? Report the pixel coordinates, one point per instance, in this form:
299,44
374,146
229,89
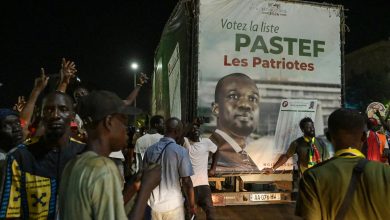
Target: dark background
103,37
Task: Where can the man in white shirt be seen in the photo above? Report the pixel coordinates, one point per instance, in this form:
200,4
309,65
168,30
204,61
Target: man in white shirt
199,150
152,136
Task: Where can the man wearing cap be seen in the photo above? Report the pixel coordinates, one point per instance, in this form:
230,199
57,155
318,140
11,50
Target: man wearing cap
81,92
33,170
91,186
10,131
10,136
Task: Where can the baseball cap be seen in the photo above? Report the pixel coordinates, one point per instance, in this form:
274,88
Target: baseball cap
4,112
98,104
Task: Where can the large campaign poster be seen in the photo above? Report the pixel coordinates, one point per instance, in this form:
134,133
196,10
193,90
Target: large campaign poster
251,56
174,83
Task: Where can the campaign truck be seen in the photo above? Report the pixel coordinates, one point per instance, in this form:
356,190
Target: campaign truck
251,69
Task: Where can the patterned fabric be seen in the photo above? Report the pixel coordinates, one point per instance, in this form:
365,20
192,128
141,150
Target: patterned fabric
314,154
32,176
303,148
26,195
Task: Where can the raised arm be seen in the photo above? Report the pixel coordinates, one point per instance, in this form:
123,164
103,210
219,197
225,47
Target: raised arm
28,110
133,95
67,72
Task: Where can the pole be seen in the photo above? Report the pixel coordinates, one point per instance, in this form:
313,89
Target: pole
135,86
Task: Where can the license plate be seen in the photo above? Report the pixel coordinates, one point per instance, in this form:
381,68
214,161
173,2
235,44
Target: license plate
264,197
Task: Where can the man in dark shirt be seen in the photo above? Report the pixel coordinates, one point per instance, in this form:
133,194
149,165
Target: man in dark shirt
10,136
310,150
33,170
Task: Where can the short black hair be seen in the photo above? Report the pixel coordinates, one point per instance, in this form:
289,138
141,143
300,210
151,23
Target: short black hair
304,121
155,119
347,120
221,81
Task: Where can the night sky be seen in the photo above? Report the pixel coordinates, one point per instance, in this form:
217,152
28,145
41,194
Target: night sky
104,37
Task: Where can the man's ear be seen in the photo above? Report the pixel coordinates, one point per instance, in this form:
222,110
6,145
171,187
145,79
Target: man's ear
215,109
107,122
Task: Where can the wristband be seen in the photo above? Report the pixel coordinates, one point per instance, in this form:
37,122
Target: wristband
138,84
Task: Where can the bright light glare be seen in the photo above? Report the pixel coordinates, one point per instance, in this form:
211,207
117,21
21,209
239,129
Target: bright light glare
134,66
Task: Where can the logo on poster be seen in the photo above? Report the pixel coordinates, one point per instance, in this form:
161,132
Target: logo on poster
274,9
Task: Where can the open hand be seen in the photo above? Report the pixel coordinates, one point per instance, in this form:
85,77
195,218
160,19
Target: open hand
68,70
143,78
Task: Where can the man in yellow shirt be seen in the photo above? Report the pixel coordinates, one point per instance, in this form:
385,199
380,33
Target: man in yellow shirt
323,187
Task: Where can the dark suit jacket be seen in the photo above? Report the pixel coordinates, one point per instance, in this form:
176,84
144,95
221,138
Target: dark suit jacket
229,161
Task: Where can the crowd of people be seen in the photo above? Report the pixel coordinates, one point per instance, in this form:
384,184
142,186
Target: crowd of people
76,158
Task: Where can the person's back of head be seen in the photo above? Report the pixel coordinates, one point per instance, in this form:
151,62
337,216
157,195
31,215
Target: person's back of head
347,129
173,128
157,123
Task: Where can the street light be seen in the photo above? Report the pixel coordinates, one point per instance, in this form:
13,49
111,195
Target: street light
134,66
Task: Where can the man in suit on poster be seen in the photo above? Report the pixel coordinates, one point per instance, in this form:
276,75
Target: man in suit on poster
236,107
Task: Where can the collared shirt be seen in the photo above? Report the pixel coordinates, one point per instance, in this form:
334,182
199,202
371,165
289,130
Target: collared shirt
231,157
175,163
349,153
231,141
323,187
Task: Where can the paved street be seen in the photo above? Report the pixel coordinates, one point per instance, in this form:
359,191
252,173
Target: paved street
255,212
